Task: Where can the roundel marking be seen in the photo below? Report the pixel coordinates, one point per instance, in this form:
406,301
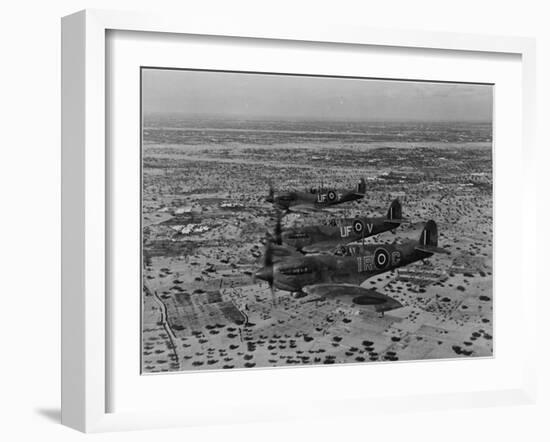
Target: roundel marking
381,258
331,195
358,226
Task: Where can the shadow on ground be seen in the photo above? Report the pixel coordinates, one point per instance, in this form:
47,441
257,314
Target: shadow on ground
51,414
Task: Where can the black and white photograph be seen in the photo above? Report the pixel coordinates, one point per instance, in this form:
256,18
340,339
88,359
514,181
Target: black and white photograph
295,220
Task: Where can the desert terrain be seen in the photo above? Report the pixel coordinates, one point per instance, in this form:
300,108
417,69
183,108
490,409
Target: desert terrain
204,221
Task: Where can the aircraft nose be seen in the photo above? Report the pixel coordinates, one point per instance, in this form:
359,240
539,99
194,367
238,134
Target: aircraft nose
264,274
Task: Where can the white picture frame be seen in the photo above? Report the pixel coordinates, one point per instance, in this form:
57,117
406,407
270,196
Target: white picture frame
85,199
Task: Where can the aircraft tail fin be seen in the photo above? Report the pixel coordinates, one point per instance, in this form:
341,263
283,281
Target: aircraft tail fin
362,186
428,239
395,211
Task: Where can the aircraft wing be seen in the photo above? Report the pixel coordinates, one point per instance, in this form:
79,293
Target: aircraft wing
396,221
359,295
432,249
305,208
320,247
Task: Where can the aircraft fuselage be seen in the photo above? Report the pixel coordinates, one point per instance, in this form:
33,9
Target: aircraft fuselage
340,232
355,266
317,200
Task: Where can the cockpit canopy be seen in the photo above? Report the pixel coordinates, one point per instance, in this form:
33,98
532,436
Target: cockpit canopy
318,189
348,250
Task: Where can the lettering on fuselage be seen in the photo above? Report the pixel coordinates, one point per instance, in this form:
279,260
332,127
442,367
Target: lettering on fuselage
380,260
330,196
365,263
358,226
345,231
395,257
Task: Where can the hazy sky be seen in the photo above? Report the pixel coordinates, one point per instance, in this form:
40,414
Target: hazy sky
280,96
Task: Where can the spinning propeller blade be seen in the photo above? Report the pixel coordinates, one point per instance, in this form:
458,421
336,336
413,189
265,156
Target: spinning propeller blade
271,195
278,229
272,241
268,269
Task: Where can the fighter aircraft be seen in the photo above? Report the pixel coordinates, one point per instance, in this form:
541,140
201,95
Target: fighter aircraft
319,238
340,275
316,198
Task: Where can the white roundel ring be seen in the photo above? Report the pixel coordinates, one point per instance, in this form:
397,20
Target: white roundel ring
331,195
381,258
358,226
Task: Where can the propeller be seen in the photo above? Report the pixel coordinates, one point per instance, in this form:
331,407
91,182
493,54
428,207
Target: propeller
275,237
278,229
271,240
268,269
266,272
271,196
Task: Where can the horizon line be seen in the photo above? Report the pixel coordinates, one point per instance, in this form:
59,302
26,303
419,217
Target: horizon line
305,118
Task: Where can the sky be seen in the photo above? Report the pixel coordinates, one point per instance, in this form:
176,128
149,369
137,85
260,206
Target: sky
257,96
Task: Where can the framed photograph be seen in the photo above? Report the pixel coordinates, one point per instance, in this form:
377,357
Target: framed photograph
277,222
